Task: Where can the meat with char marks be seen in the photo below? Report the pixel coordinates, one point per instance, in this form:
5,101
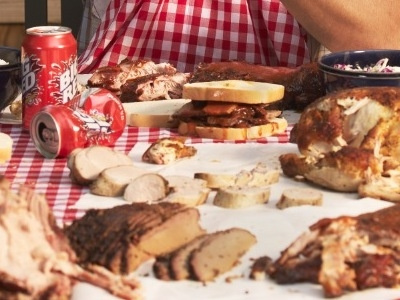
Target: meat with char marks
36,260
303,84
345,254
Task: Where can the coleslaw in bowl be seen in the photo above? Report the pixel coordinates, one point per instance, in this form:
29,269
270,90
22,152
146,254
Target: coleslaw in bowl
356,68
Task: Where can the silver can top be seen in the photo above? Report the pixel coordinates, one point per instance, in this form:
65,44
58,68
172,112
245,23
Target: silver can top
45,134
48,30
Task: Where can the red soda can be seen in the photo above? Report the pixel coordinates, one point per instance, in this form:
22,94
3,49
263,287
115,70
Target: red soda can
49,69
95,117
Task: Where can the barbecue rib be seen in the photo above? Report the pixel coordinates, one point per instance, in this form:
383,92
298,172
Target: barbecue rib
303,84
36,261
140,80
153,87
345,254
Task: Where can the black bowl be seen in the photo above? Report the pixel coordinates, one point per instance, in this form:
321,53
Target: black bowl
10,75
337,79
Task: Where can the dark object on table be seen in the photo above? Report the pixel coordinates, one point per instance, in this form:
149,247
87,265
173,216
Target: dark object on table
10,75
303,84
337,79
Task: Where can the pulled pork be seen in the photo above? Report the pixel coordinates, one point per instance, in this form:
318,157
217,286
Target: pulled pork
36,260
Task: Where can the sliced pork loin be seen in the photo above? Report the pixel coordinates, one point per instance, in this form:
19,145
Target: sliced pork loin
113,181
86,164
123,237
206,257
236,197
147,188
186,190
261,175
152,188
37,261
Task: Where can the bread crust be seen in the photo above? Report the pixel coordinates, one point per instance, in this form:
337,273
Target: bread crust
274,127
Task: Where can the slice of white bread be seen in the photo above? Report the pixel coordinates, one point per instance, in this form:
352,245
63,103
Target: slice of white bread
299,196
275,126
6,143
153,113
240,91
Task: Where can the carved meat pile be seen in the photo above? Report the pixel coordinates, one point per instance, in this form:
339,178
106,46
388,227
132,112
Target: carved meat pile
123,237
140,80
345,254
36,260
303,85
349,141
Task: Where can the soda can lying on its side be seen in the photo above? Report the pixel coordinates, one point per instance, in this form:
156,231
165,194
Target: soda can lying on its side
95,117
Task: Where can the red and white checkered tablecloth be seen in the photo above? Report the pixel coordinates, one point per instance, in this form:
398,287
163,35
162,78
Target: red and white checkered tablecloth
187,32
51,176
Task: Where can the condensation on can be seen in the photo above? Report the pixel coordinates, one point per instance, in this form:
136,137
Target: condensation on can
49,69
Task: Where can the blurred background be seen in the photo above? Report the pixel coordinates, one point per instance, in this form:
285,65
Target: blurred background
12,20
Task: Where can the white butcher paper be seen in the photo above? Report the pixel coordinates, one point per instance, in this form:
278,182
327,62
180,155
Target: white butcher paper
275,229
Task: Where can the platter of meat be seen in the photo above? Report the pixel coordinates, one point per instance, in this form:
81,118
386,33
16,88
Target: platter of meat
275,229
339,246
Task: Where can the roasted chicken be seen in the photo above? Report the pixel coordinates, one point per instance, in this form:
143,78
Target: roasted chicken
349,140
344,254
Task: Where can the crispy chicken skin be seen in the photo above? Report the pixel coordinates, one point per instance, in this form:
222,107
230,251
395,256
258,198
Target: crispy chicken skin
347,138
344,254
343,170
359,117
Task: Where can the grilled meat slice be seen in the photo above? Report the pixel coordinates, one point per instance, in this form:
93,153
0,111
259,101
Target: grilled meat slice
113,77
345,254
205,257
303,84
36,259
153,87
123,237
233,115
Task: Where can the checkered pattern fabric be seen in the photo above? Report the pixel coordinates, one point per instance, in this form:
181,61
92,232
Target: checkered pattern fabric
50,177
187,32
